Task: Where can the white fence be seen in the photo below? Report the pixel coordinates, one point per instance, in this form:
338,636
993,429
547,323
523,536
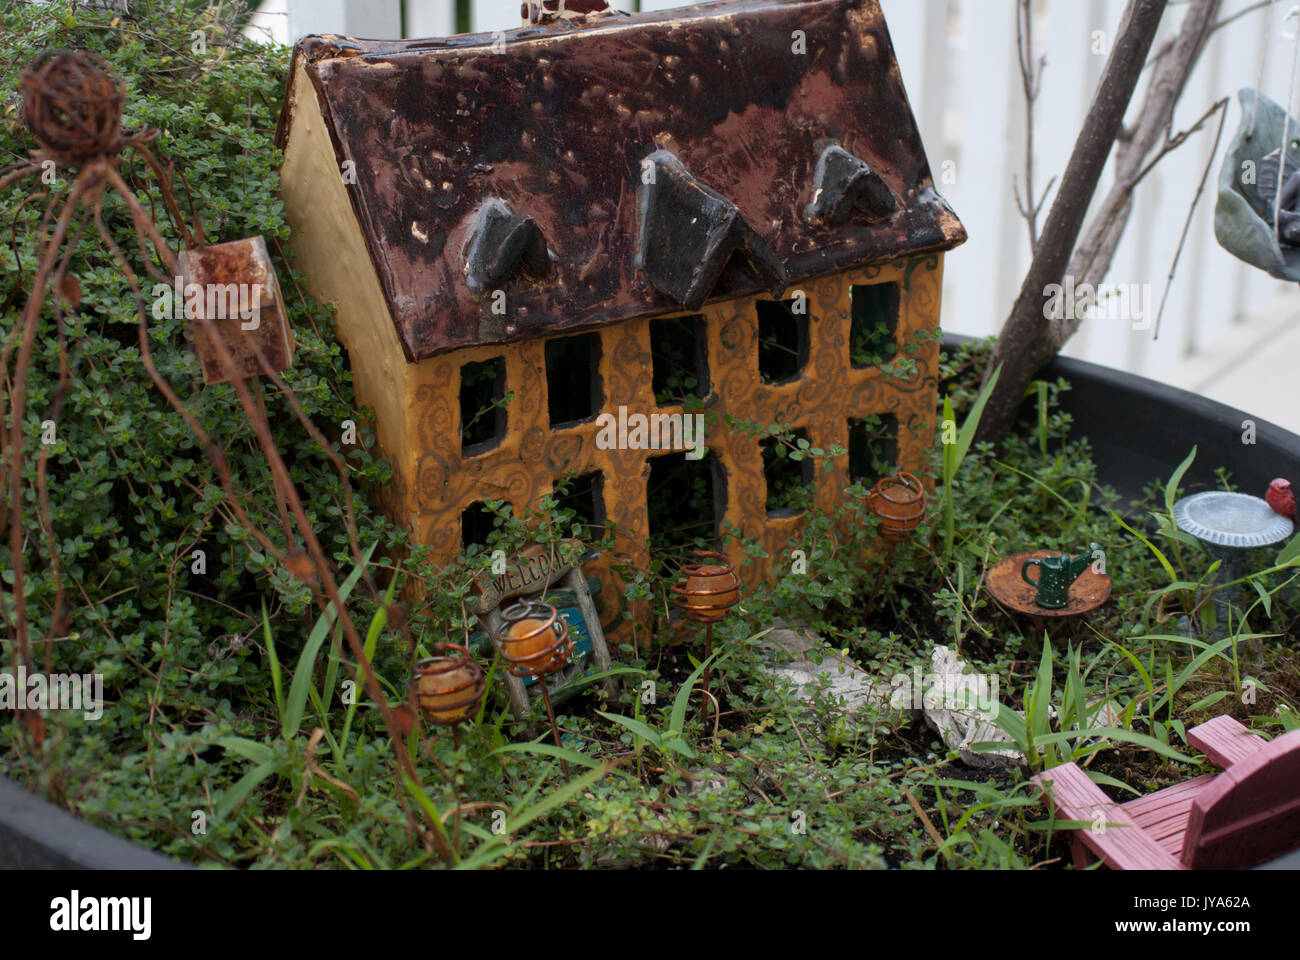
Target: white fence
959,64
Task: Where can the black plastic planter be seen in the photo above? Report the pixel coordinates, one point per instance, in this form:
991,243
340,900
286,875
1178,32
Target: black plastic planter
35,835
1140,431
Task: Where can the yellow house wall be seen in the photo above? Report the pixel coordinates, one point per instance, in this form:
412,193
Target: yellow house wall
338,269
827,394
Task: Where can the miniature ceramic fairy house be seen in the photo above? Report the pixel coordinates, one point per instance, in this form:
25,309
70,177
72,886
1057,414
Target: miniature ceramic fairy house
541,209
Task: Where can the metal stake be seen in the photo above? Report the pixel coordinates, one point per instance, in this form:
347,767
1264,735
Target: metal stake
708,669
555,730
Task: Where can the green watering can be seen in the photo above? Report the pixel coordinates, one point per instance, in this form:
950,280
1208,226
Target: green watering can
1055,574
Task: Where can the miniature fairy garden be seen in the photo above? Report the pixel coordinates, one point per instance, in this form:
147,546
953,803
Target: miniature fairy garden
368,584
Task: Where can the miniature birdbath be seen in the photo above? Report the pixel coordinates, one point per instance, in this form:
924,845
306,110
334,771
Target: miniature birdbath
708,592
1010,585
448,686
534,641
1229,525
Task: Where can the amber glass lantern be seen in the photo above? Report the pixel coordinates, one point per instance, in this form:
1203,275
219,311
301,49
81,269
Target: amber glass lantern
448,686
709,589
534,641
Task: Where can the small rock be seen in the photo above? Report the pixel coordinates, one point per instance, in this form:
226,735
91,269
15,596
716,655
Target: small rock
849,683
946,689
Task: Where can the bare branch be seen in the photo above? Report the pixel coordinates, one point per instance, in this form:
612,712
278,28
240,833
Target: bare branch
1031,82
1222,107
1095,252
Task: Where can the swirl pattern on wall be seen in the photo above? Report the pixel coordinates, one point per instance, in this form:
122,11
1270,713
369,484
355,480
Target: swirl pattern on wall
827,394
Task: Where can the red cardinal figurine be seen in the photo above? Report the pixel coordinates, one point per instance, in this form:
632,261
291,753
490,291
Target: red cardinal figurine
1281,499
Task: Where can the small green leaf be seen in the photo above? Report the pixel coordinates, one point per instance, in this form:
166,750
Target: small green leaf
636,726
1290,553
1171,488
548,750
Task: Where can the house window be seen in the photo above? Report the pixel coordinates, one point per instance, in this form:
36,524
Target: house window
782,340
789,481
873,448
874,324
476,525
573,378
686,501
679,354
585,497
482,406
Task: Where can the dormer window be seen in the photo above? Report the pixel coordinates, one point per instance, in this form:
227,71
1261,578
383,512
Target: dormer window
690,234
501,242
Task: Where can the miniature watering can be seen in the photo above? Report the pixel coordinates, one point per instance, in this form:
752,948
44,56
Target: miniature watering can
1055,574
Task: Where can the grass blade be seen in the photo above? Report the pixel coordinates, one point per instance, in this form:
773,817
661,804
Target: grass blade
302,675
548,750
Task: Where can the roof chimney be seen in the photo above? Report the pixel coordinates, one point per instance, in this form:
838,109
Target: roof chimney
546,11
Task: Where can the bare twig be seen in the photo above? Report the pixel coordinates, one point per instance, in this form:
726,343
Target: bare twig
1031,81
1222,107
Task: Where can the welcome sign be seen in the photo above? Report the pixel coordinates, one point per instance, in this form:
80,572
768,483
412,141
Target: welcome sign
531,573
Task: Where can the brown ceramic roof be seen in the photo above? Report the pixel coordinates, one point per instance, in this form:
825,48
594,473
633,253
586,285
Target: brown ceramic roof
554,131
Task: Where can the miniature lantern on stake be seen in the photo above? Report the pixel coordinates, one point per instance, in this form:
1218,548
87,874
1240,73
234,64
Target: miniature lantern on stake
899,503
448,686
705,596
534,640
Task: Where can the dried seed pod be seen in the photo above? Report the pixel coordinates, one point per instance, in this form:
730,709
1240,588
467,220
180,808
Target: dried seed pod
72,104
